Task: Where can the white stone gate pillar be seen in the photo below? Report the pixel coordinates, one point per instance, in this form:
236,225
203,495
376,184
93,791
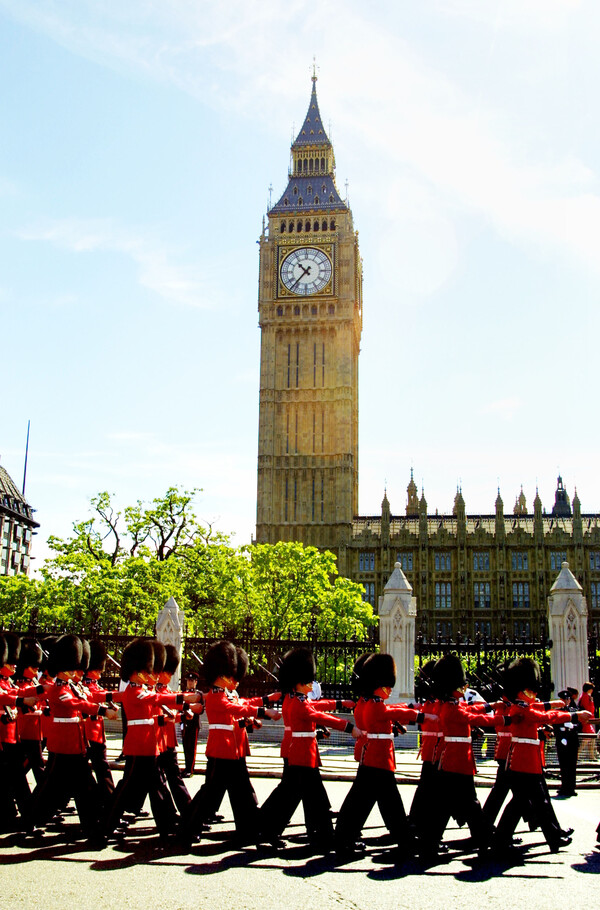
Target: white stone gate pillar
567,621
397,611
169,630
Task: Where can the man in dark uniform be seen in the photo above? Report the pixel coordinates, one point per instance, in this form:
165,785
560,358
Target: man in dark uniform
190,727
567,744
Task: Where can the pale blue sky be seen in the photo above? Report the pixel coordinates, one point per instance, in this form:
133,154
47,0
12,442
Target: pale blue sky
139,140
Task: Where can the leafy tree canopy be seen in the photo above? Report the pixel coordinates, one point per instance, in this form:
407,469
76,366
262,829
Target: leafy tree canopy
118,568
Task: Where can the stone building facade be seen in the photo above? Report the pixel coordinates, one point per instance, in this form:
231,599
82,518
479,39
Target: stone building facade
17,527
469,573
479,573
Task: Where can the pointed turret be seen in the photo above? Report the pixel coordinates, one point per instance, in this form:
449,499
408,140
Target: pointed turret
500,529
311,186
520,507
412,501
538,519
385,519
562,503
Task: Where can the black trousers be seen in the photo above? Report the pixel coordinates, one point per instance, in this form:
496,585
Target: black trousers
141,776
425,798
33,759
15,788
224,775
530,794
457,797
67,776
299,784
99,762
169,766
567,762
370,786
189,741
498,793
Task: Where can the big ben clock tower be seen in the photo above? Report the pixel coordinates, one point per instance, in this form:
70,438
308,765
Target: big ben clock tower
310,316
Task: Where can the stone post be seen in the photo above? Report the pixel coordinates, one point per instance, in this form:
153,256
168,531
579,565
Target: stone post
169,630
567,616
397,611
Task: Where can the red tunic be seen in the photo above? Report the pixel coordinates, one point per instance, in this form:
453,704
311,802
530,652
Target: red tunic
66,734
8,730
526,749
94,725
431,732
141,705
376,722
327,704
222,715
456,719
303,718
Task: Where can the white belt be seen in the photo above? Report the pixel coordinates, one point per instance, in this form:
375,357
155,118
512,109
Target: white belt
430,733
503,734
528,742
457,739
143,722
287,729
220,726
66,720
305,735
380,735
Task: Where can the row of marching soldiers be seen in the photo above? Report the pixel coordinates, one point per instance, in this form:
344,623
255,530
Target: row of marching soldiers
56,696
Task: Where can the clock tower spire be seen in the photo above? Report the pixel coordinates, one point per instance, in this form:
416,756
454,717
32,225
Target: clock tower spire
310,316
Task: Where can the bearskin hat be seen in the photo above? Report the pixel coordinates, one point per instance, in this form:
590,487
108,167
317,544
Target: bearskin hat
66,655
138,657
98,656
425,682
242,664
31,655
13,647
379,670
297,667
47,644
160,656
220,660
523,673
358,684
449,674
172,659
85,656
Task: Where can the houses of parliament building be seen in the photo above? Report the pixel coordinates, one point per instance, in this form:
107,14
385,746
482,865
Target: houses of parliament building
469,573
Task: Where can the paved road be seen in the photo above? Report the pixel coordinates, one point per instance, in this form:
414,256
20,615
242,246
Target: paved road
139,874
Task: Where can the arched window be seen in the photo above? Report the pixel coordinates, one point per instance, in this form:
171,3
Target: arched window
296,311
316,226
310,166
299,228
291,227
332,224
286,201
324,225
323,189
305,165
331,197
313,310
300,202
282,228
309,190
298,166
307,226
331,309
280,311
316,200
295,191
322,164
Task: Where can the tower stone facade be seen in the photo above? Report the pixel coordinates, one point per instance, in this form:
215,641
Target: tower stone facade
310,316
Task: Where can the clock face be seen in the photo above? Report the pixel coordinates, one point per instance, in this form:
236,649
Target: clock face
306,271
